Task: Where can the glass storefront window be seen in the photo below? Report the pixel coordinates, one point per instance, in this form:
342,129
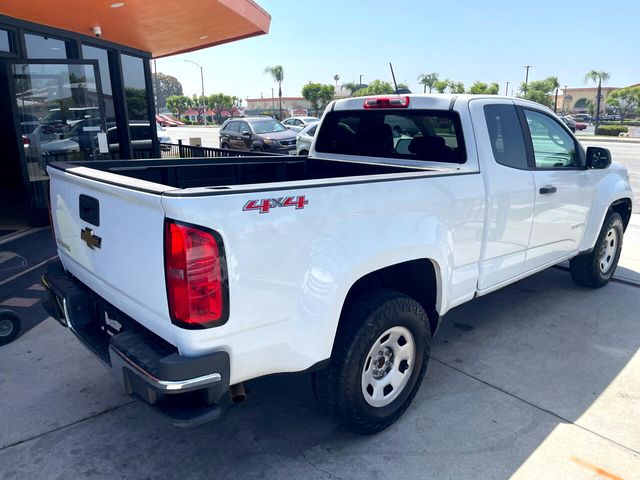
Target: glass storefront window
5,41
135,88
59,117
102,56
44,47
137,96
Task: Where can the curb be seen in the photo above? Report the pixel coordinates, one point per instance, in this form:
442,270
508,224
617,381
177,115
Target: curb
592,138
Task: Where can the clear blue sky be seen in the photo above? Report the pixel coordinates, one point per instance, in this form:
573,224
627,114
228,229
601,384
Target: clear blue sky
461,40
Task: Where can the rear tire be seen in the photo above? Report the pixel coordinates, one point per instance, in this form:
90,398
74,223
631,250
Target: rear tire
595,269
379,359
224,146
9,327
303,153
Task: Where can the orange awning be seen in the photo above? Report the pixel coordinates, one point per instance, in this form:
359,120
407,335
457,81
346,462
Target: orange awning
161,27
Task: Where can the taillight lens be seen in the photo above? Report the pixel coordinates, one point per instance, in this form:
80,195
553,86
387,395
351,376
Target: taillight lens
386,102
194,272
25,141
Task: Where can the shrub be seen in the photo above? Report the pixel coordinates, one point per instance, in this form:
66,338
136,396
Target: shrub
612,130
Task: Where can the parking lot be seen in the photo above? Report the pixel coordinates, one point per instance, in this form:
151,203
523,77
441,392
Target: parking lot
538,380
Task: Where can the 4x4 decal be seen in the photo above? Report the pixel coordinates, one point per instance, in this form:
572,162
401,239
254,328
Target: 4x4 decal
265,205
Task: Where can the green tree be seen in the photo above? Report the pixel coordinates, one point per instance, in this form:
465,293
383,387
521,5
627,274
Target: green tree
428,80
481,88
456,87
541,91
336,78
220,102
164,86
178,104
598,77
199,104
318,95
441,85
353,87
376,87
277,73
625,100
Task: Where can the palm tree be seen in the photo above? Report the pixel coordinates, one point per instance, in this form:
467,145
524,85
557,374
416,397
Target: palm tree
336,78
597,77
428,80
277,73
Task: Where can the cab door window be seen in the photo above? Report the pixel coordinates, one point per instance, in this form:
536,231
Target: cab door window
553,146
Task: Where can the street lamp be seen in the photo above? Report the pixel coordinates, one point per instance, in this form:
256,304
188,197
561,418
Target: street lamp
506,90
204,114
526,79
360,84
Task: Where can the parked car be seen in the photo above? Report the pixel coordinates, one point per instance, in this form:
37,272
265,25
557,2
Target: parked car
569,122
188,278
581,126
163,137
304,139
298,123
582,117
260,134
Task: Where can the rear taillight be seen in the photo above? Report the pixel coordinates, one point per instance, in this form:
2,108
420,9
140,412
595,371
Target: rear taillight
25,141
386,102
195,273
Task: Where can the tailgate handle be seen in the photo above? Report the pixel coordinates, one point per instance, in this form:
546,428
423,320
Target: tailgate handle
89,209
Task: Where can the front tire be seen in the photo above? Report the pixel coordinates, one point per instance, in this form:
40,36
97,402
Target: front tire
9,327
379,359
595,269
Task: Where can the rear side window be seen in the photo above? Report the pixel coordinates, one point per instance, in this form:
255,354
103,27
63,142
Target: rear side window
422,135
505,133
232,127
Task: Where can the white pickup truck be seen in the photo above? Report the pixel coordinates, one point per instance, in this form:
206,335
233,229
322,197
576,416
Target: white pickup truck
188,277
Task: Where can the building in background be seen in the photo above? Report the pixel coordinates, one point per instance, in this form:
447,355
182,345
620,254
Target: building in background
267,106
75,83
583,99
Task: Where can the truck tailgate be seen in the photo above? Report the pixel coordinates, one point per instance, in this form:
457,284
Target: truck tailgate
111,238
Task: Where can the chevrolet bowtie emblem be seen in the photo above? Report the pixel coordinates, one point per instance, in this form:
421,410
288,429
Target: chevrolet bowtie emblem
92,241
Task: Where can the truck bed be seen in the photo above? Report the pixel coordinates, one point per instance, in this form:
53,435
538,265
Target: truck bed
215,172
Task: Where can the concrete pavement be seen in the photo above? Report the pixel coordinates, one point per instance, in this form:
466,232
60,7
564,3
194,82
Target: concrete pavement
540,380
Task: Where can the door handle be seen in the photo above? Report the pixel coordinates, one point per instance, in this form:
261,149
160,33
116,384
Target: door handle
547,189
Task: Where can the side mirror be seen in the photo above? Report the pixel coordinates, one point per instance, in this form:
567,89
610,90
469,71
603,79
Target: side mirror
598,158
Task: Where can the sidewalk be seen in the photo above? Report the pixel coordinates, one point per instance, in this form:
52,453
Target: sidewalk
604,138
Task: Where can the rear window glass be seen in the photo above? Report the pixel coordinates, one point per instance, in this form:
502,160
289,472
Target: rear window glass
421,135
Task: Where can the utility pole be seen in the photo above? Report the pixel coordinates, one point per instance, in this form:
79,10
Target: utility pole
555,102
506,90
204,113
526,79
564,101
360,83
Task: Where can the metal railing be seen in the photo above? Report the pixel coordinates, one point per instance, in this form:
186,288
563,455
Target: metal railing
179,150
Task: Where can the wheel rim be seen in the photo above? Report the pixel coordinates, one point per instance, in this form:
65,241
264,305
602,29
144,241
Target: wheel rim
388,366
609,254
6,328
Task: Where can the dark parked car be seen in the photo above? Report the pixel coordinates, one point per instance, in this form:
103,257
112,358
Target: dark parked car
569,122
260,134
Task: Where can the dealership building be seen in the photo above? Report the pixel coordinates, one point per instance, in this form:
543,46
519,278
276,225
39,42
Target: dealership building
76,84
